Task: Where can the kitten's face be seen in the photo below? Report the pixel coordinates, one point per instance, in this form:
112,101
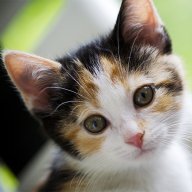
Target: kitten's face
108,115
113,103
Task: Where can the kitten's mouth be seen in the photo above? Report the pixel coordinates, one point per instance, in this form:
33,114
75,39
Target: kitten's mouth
144,152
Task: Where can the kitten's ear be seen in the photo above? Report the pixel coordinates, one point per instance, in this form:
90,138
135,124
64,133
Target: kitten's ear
139,22
32,75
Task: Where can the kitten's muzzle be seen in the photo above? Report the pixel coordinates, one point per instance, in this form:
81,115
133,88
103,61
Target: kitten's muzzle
136,140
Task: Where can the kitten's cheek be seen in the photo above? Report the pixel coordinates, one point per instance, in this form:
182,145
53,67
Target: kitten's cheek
86,144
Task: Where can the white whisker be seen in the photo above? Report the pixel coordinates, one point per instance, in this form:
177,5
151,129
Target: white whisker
64,104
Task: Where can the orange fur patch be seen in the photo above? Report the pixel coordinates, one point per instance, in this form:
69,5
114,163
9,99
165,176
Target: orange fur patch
84,142
115,71
88,88
165,103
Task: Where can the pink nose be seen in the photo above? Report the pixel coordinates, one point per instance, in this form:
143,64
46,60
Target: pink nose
136,140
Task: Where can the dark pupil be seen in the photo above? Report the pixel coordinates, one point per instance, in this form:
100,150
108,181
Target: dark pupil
143,96
95,124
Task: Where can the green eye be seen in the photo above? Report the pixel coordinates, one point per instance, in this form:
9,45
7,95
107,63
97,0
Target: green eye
144,96
95,124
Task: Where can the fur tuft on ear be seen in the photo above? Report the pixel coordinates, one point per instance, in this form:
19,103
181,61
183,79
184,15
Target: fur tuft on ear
139,21
31,74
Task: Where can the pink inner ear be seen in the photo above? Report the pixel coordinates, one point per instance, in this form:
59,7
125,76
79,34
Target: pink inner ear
31,75
141,15
141,12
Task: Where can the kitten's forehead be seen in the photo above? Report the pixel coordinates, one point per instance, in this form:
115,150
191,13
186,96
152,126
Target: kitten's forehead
113,81
127,71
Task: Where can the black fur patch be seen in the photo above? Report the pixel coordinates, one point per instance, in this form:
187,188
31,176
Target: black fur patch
175,86
57,179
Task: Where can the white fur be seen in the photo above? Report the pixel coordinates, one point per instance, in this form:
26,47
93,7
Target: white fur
120,167
170,173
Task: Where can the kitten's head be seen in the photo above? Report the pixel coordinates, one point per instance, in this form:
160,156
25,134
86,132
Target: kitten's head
114,102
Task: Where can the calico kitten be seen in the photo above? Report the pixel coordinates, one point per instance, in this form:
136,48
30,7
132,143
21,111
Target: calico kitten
116,107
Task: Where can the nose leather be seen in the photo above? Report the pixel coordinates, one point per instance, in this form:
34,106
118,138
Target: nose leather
136,140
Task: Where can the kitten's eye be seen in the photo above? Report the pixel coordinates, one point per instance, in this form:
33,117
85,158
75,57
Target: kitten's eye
144,96
95,124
